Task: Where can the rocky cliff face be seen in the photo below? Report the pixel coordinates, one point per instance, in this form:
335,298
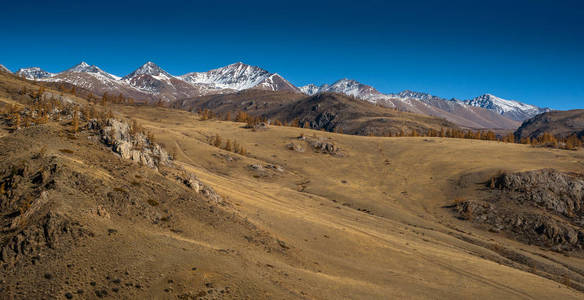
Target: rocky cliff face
543,207
129,143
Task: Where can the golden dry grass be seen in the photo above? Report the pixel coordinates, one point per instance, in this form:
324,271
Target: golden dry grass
406,248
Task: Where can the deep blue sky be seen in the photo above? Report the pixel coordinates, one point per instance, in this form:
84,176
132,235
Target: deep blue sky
532,51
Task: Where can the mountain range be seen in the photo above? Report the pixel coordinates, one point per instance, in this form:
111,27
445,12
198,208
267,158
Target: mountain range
151,83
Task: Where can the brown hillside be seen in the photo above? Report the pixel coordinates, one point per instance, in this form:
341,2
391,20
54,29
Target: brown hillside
328,111
558,123
301,214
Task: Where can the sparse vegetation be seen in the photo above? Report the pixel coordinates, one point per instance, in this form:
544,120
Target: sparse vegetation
546,140
114,188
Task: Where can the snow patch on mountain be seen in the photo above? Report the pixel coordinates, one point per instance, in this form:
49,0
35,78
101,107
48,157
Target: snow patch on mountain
237,76
510,108
34,73
345,86
500,105
151,69
407,94
83,67
309,89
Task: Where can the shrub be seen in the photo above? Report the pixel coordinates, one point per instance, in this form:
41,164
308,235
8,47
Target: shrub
228,146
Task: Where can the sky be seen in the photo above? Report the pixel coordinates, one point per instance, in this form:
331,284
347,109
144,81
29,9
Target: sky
531,51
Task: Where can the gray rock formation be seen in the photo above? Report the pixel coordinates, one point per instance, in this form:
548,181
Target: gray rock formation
322,146
130,145
548,189
543,207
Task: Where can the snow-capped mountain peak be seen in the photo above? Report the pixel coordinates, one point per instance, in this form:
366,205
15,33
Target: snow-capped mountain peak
310,89
34,73
237,76
500,105
149,68
84,67
510,108
345,86
352,88
275,82
81,67
408,94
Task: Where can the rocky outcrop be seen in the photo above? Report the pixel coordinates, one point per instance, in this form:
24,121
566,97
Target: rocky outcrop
325,120
137,146
317,144
541,207
192,182
548,189
52,231
129,143
295,147
321,145
29,226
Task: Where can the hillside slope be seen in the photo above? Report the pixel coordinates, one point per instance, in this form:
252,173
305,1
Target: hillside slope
336,112
558,123
328,111
363,217
389,194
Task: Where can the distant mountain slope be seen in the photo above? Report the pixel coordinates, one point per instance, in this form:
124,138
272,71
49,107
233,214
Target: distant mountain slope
334,111
558,123
240,76
151,83
151,79
329,111
486,111
421,103
275,82
34,73
511,109
252,101
97,82
237,76
455,111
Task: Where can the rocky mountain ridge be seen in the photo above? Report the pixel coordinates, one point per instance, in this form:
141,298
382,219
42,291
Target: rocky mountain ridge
510,109
151,83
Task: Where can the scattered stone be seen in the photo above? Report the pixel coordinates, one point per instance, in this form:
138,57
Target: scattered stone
275,167
256,167
295,147
101,293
